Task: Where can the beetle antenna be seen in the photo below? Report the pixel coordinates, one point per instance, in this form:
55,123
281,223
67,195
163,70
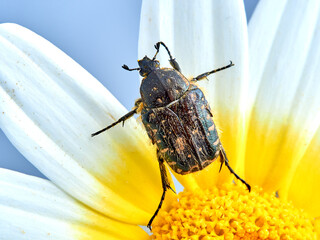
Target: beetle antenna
128,69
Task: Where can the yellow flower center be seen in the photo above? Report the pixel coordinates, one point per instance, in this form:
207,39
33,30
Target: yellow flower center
231,212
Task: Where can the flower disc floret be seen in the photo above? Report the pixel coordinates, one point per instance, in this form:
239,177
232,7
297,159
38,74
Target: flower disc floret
231,212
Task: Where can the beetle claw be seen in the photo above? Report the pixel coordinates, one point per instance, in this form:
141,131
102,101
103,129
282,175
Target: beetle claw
168,186
221,166
157,46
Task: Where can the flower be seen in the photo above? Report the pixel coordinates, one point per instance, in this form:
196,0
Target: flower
102,187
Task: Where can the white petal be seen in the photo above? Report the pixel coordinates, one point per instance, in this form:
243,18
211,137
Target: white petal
202,36
34,208
49,108
284,89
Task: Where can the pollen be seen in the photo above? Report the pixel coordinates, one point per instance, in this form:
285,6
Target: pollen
231,212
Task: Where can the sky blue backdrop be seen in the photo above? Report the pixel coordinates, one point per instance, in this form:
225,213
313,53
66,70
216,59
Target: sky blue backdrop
101,35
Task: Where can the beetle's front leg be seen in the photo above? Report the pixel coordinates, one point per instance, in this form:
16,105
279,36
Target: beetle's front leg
123,118
206,74
165,187
172,60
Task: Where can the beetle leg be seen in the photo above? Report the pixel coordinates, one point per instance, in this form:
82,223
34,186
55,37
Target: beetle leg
206,74
225,160
165,187
172,60
122,119
222,161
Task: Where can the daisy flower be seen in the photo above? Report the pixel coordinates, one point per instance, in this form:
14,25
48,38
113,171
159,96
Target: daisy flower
266,106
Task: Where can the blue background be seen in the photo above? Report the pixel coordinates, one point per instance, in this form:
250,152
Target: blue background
98,34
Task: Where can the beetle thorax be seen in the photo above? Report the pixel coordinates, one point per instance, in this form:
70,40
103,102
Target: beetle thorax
163,86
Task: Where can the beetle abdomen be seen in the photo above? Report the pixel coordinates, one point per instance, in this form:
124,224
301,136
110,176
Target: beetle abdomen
184,132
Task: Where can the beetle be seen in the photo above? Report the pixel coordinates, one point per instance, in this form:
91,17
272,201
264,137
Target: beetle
177,118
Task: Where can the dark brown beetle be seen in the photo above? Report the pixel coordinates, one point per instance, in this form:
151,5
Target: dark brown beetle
177,118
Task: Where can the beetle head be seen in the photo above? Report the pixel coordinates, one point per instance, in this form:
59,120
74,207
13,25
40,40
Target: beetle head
147,65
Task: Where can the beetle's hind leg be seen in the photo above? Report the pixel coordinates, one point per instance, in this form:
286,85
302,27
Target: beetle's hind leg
172,60
206,74
225,160
165,187
123,118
